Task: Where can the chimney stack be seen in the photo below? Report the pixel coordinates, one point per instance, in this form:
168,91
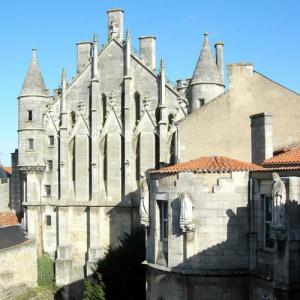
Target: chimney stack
115,24
83,55
219,58
261,137
148,51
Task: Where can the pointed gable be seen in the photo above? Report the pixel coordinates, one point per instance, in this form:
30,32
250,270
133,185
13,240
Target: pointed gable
34,84
206,70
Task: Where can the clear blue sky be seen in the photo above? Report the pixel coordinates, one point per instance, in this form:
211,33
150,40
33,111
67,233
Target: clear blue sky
265,32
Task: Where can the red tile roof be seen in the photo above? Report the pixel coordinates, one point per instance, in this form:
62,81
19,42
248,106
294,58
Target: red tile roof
8,170
209,164
7,218
289,158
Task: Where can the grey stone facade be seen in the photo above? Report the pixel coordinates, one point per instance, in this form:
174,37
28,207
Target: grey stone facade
82,150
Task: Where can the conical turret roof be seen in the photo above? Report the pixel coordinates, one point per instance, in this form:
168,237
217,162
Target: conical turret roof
33,84
206,70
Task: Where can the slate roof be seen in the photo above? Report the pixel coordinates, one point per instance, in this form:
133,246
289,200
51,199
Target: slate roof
206,70
11,236
209,164
33,84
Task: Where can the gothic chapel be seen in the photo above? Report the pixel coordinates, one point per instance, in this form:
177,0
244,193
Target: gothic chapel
82,150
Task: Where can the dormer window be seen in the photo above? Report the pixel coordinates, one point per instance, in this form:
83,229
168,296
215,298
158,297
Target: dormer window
29,115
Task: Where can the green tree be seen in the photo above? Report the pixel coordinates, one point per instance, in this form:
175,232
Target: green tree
122,271
94,289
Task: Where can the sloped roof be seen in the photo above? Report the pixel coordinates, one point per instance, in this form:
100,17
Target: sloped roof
11,236
289,157
33,83
209,164
8,170
8,218
206,70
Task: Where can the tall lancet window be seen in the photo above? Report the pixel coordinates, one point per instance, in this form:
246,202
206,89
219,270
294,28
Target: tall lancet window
72,118
138,161
137,102
104,108
73,161
105,163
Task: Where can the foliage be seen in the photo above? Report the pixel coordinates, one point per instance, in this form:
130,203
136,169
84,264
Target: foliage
121,268
94,289
37,293
45,271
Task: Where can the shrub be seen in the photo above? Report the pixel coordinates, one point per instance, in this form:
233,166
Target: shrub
45,271
121,268
94,289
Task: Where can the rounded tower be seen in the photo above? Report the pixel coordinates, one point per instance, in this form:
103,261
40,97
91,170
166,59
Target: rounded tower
32,102
207,81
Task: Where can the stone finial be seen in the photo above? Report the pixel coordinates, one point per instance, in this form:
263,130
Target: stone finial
162,65
33,54
95,38
127,35
63,75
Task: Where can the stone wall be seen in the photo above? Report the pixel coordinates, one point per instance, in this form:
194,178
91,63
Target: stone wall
4,194
220,214
249,93
18,266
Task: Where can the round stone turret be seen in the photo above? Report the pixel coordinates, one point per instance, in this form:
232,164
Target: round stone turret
206,83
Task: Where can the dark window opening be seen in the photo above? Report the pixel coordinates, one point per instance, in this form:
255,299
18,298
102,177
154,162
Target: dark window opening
137,101
48,190
29,115
51,140
104,110
30,144
268,215
49,165
163,219
48,220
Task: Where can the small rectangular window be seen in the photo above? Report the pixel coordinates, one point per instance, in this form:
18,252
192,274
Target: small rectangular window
49,165
48,190
29,115
48,220
51,140
30,144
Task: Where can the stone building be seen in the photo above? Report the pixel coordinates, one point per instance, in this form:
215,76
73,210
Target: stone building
226,229
83,149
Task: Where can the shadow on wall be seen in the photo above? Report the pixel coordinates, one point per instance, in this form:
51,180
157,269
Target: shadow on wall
201,273
123,217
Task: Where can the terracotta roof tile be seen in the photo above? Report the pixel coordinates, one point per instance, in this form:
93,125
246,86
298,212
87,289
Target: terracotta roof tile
209,164
8,170
289,158
7,218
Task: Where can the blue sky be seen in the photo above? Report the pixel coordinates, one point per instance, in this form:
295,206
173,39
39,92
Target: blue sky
265,32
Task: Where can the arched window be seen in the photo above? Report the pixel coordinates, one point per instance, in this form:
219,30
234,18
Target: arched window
104,109
137,102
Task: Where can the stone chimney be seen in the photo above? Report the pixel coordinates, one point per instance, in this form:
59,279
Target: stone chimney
219,58
115,24
261,137
148,51
83,55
